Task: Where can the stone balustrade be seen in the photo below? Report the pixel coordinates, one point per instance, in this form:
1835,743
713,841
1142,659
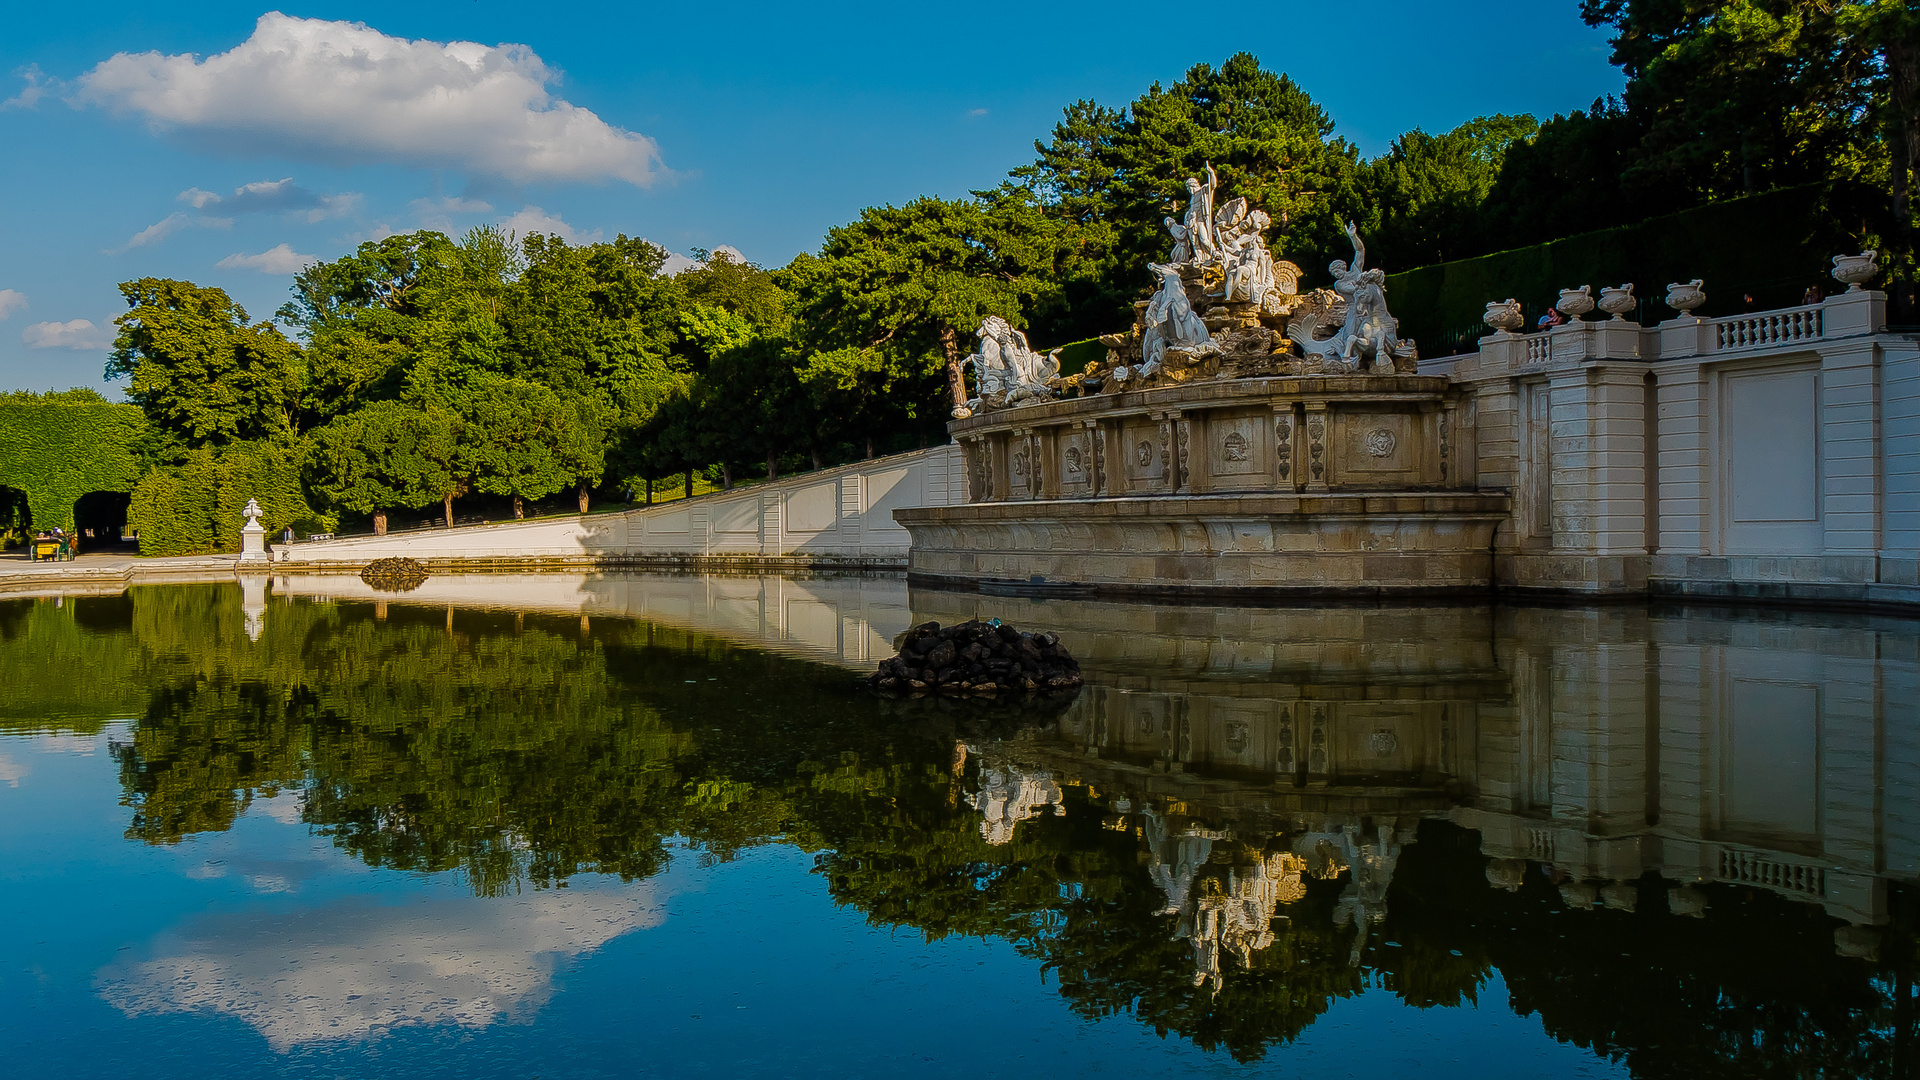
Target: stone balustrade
1772,454
1767,329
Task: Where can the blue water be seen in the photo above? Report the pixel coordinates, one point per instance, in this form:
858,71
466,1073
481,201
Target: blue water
263,951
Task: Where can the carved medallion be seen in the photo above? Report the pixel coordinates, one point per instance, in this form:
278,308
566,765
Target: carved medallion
1237,737
1074,468
1234,447
1379,442
1020,464
1383,743
1146,454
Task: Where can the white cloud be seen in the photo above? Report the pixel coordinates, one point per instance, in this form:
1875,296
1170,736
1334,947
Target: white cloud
11,300
676,262
160,230
281,259
211,209
77,334
351,970
38,86
439,213
344,91
976,112
269,196
532,219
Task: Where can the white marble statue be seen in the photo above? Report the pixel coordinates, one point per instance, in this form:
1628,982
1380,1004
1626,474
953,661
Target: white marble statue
1368,333
1007,370
1249,265
1170,322
1181,252
1199,219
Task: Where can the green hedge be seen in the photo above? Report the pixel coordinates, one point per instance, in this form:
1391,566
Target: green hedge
57,447
1772,245
194,507
1075,356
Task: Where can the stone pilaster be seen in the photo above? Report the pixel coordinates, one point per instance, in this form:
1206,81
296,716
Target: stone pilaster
1286,471
1316,446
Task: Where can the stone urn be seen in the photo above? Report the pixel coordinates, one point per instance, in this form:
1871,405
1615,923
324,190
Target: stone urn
1504,315
1854,271
1684,296
1575,302
1617,301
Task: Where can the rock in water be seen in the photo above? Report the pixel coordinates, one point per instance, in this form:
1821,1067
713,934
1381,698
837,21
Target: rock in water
974,657
394,575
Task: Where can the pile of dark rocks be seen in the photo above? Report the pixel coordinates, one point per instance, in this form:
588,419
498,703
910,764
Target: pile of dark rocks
394,575
974,657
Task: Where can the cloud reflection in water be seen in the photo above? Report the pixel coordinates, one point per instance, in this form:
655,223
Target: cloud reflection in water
356,968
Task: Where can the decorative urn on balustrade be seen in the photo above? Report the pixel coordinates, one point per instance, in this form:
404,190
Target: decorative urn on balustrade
1576,302
1504,315
1684,296
1854,271
1617,300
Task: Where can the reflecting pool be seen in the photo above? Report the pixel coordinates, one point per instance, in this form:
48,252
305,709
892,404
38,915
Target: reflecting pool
627,824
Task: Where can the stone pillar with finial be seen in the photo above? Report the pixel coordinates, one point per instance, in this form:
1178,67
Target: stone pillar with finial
253,536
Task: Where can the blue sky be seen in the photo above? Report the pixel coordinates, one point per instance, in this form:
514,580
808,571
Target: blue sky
223,143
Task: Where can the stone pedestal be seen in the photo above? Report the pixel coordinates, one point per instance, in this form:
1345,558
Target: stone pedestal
253,544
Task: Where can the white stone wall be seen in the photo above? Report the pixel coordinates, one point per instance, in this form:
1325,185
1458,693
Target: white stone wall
846,619
1771,455
839,516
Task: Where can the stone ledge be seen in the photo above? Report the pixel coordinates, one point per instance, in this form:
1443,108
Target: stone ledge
1210,393
1473,505
1871,596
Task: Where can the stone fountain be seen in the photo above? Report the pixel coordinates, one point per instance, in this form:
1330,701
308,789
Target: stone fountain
1240,438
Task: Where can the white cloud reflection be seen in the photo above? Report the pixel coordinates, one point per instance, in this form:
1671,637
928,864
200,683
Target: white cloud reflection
354,969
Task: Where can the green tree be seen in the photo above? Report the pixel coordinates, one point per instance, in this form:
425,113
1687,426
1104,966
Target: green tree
200,371
1427,191
1264,136
523,440
913,282
386,455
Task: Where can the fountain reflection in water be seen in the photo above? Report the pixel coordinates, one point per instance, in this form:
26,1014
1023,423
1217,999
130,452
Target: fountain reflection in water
1674,834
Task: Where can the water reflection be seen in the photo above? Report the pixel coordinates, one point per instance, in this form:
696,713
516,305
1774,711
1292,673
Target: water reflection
349,969
1683,839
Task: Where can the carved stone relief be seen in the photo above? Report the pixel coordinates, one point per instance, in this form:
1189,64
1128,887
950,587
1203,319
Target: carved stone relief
1283,445
1380,442
1184,430
1316,447
1234,446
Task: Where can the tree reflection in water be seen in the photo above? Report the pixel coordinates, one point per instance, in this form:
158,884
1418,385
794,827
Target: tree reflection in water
1220,855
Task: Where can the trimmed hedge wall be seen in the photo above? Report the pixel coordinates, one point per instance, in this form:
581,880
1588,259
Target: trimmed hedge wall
194,508
1772,245
58,447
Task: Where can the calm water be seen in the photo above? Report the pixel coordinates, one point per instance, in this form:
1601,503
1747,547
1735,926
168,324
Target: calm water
618,825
